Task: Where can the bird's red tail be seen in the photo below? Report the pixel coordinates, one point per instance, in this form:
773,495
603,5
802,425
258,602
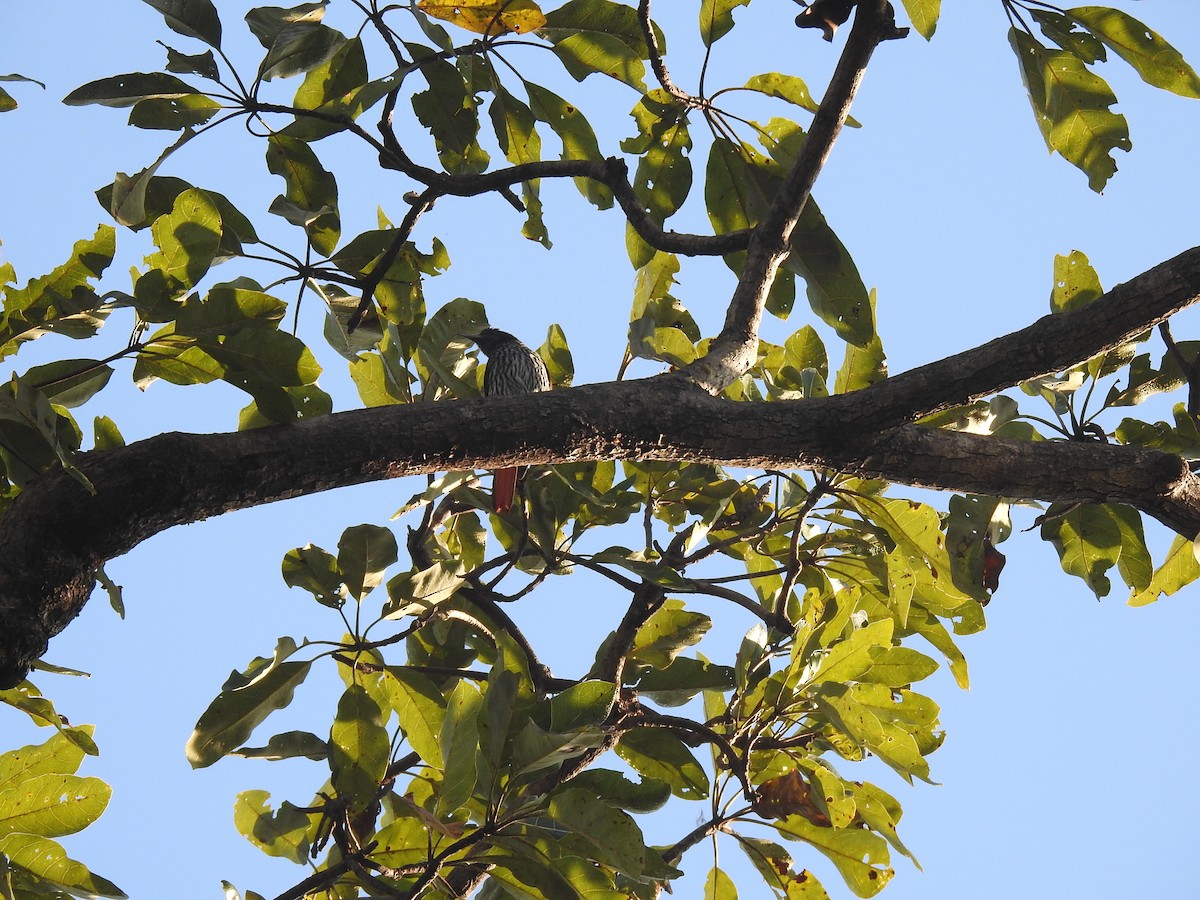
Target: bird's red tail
504,487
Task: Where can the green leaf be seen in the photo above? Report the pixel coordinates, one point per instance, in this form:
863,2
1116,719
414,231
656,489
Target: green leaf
529,876
586,703
835,288
421,709
1157,62
1071,105
283,833
202,64
1134,563
6,101
924,15
47,861
188,239
716,19
61,302
364,553
880,812
342,74
613,834
848,659
513,123
1061,29
1088,540
311,197
517,135
1179,569
359,748
56,756
234,714
667,633
126,90
615,789
862,366
786,87
192,18
893,745
52,805
69,382
664,171
266,22
287,745
556,354
173,113
598,36
578,139
299,47
683,679
719,886
459,740
1076,283
450,113
412,593
316,571
656,753
157,198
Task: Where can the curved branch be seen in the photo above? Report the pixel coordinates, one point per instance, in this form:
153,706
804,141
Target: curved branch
55,535
657,65
611,172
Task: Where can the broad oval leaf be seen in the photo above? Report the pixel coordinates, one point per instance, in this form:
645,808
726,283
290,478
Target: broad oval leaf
234,714
656,753
1156,61
359,747
52,805
193,18
126,90
298,48
364,553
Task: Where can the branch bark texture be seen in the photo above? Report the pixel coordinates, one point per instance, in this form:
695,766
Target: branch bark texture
56,534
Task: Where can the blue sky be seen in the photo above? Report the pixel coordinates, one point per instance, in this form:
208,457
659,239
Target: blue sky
1068,769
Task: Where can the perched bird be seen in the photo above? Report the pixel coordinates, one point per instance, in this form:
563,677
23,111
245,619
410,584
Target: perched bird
512,369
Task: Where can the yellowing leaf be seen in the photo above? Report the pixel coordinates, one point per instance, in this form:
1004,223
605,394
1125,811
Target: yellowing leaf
487,16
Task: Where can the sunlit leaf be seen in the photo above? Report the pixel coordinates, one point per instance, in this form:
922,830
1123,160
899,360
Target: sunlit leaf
656,753
716,19
924,15
49,862
282,833
1179,569
487,16
1071,104
364,553
359,748
1156,61
598,36
234,714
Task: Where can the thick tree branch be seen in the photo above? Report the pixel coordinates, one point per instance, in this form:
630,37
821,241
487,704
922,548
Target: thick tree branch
55,534
735,349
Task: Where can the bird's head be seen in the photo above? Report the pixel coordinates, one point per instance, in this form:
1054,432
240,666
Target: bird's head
489,339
